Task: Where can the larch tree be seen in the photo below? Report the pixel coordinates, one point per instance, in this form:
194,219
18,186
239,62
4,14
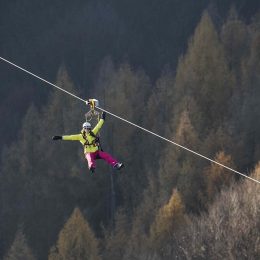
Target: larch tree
235,37
168,221
62,115
144,215
20,250
203,74
76,240
250,108
158,117
176,164
116,241
160,104
19,162
217,176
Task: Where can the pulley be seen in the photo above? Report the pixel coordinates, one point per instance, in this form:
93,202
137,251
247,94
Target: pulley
92,113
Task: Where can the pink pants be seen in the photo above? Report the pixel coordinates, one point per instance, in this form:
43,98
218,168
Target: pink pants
91,158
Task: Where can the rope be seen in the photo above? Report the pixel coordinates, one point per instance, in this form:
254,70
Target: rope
44,80
135,125
183,147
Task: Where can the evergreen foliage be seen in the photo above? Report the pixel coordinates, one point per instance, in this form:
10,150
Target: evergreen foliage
203,75
76,240
235,37
19,249
218,177
166,203
116,241
174,162
168,220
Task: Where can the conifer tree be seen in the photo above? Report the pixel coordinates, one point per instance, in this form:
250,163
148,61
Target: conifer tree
160,104
115,244
62,115
203,74
19,162
174,162
76,240
218,177
29,149
250,108
138,240
169,220
158,117
236,40
20,248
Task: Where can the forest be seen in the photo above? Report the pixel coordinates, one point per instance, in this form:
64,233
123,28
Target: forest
186,70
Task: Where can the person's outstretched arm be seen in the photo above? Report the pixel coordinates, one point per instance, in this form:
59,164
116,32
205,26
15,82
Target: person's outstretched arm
100,123
77,137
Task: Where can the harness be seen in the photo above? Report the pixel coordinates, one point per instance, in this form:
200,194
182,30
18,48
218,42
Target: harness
89,116
95,142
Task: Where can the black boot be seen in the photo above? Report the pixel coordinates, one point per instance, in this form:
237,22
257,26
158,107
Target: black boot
92,170
118,166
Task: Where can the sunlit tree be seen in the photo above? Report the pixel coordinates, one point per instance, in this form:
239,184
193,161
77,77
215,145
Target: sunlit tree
76,240
169,219
217,176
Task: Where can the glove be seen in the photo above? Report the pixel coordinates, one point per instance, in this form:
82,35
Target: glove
103,115
56,137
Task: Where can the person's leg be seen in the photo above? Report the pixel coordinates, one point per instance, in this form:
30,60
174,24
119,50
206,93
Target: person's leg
107,157
91,160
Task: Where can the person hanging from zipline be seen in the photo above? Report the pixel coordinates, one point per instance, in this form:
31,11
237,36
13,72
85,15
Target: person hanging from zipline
92,150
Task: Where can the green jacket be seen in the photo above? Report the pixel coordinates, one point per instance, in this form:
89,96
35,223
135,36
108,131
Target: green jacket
87,140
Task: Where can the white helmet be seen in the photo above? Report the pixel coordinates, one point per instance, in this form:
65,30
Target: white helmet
86,125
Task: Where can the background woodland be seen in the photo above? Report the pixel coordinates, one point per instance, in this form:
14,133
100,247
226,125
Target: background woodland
187,70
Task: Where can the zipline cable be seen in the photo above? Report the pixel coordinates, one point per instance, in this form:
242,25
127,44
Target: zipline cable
44,80
183,147
142,128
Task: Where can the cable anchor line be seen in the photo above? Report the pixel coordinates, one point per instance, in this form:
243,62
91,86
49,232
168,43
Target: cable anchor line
135,125
44,80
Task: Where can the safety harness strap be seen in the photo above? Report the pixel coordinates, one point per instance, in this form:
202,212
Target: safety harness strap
95,142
